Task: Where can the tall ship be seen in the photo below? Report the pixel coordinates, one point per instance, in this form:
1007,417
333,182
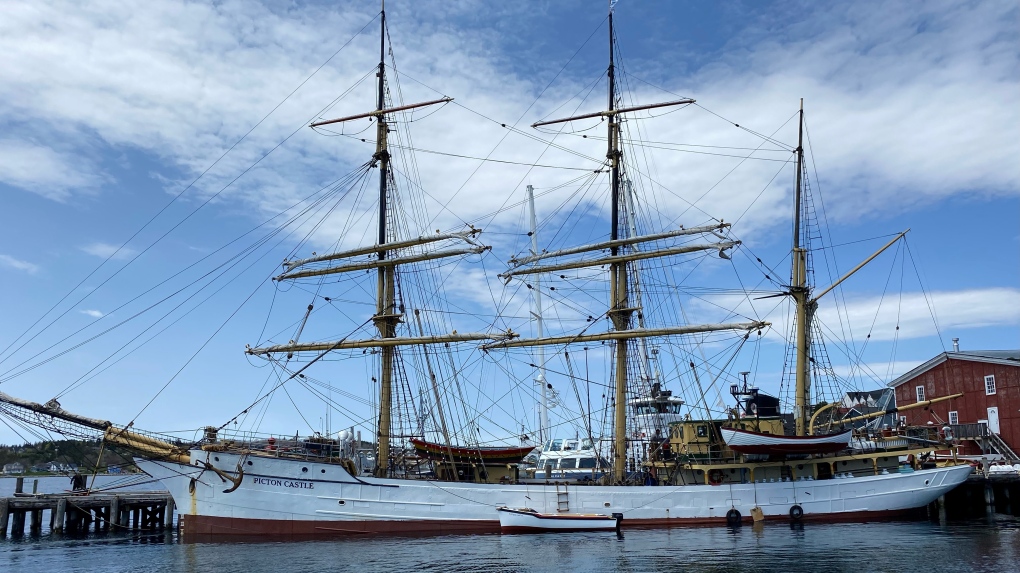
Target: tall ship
440,465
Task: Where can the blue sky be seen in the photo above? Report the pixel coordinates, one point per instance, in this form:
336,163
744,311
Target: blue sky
107,114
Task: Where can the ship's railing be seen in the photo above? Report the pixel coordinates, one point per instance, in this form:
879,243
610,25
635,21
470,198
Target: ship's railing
970,431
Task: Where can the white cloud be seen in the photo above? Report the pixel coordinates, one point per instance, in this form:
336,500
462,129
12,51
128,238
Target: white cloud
955,310
92,313
106,250
184,81
879,318
18,264
40,169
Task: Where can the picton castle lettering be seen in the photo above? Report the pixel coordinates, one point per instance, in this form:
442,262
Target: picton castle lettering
283,483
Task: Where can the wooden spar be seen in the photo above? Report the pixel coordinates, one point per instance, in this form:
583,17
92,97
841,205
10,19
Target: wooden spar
618,243
613,112
924,404
465,235
381,112
800,291
52,408
618,259
121,436
860,266
390,342
624,334
380,263
619,309
385,307
150,446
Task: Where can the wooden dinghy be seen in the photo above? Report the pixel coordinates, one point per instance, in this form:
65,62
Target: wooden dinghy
747,442
460,454
526,520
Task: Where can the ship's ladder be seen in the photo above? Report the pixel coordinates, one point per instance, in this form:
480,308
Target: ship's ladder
562,498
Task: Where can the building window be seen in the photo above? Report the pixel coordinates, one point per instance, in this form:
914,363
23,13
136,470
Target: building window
990,384
954,418
920,393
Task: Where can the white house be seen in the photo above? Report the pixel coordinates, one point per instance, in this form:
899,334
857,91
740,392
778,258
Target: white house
13,469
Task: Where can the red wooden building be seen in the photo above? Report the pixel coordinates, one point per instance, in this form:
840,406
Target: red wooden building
990,382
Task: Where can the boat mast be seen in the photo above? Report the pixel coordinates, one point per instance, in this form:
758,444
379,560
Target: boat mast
800,291
385,318
619,312
543,412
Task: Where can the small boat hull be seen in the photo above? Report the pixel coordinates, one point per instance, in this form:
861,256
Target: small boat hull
747,442
463,455
531,521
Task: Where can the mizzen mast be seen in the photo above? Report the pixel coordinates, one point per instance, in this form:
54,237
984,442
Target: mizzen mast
801,293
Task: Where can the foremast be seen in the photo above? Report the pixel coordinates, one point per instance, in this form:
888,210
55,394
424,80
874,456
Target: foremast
388,314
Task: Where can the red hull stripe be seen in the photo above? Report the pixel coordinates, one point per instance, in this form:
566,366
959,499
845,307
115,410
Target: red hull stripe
515,529
198,528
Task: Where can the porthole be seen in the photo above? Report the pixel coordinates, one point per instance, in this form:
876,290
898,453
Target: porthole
925,482
607,504
250,463
217,458
323,471
304,470
342,502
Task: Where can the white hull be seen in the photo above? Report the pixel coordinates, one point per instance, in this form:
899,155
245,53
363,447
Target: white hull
288,497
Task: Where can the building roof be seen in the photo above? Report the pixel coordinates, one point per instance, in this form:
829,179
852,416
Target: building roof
1005,357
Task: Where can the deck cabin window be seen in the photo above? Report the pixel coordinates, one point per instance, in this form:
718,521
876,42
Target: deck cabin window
990,384
551,462
954,418
920,393
570,445
555,445
586,444
586,463
702,431
568,463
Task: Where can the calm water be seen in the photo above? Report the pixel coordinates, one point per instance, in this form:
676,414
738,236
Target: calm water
979,545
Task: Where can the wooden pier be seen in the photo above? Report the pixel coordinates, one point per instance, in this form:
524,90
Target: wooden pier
982,494
79,512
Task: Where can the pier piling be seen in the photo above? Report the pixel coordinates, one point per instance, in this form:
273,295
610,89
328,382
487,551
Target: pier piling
3,518
71,514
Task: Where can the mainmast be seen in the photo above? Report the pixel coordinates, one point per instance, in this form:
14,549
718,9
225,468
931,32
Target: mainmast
619,311
543,413
621,253
801,293
385,312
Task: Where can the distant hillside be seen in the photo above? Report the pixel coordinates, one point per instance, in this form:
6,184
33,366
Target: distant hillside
80,453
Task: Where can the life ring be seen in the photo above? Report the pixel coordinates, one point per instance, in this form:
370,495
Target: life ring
733,517
946,433
796,512
716,477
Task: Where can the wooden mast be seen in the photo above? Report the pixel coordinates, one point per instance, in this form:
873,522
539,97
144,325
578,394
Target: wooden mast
800,291
385,317
619,312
